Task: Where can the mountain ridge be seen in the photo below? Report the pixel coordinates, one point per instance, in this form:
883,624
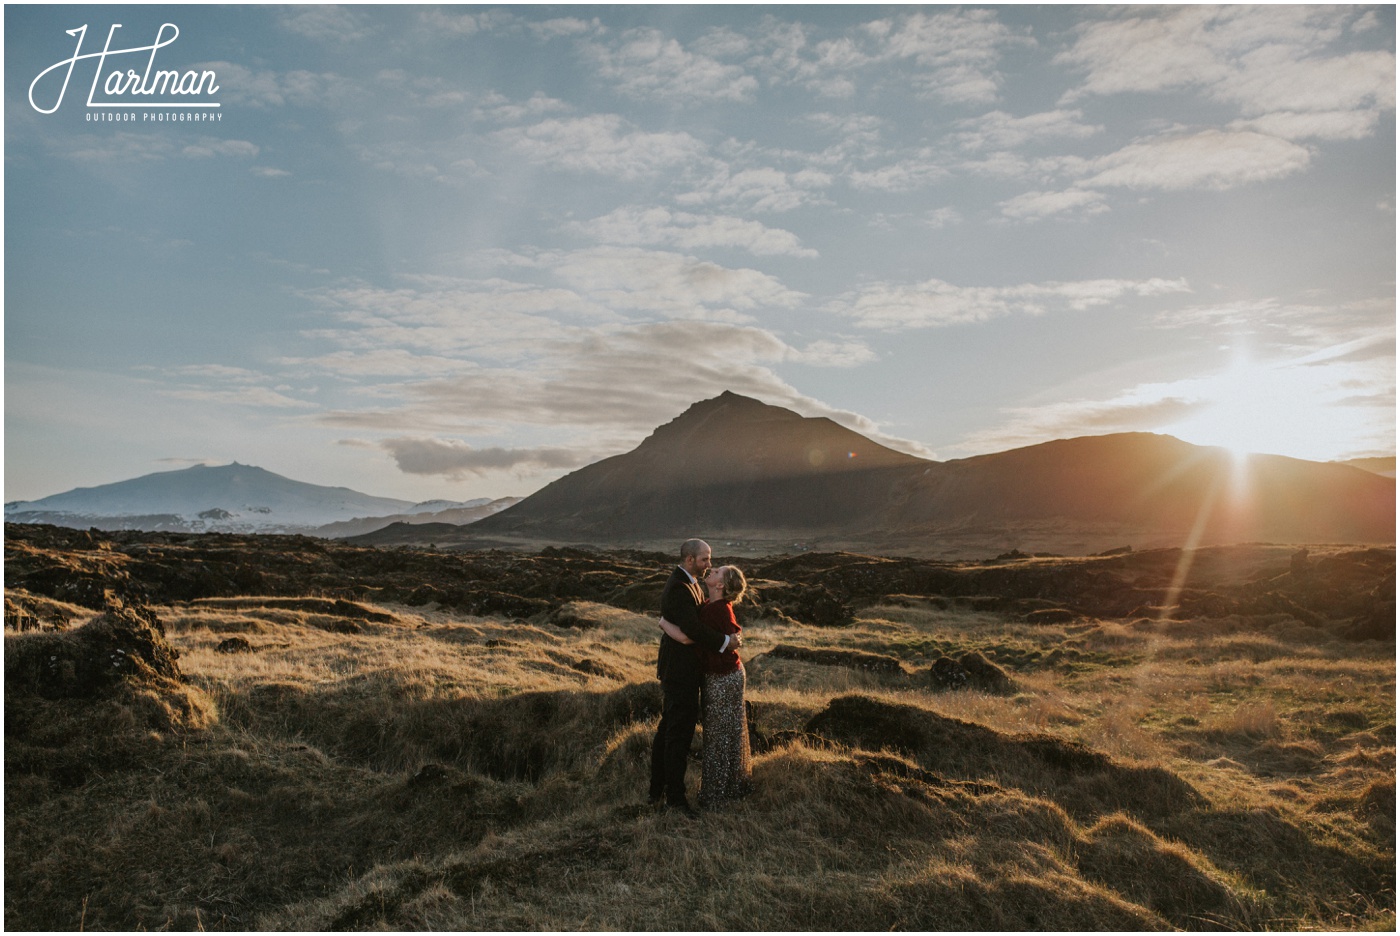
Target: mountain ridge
234,498
732,466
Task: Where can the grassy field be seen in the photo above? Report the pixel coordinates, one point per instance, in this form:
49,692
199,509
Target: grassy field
358,765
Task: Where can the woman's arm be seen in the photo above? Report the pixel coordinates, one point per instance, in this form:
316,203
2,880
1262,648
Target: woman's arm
674,632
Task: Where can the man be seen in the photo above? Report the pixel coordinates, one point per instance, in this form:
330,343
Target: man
678,668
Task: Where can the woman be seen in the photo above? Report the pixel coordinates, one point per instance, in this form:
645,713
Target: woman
725,771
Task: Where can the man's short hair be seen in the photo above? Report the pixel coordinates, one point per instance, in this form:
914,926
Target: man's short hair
692,548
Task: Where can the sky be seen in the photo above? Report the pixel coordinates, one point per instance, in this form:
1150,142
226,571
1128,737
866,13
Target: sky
459,252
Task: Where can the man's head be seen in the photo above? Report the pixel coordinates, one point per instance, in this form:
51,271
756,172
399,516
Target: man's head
695,557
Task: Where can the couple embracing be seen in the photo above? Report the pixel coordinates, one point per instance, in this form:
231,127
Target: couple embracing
700,669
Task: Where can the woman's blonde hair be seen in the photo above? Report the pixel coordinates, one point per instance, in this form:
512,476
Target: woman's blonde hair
734,583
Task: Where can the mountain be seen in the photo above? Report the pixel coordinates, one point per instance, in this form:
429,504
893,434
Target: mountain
436,513
736,467
730,463
1381,466
226,498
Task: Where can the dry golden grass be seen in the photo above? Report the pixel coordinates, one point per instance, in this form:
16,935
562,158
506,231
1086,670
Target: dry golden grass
404,768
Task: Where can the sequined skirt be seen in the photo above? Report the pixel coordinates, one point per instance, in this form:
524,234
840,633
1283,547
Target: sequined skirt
726,771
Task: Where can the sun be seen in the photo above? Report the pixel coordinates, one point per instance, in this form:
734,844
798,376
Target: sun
1277,409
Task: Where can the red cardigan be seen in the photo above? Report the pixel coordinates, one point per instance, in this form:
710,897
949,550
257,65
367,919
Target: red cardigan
720,616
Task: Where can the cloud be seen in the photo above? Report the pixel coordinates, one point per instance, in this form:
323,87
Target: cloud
1295,327
259,397
943,217
440,163
268,172
669,284
1321,125
601,143
210,146
378,362
450,24
483,319
958,51
936,303
600,391
661,226
144,146
1000,130
1033,206
502,109
1318,405
226,384
826,353
760,189
904,176
244,86
506,320
1137,410
1210,159
1264,60
423,91
456,460
565,26
951,56
327,23
644,63
120,147
1273,78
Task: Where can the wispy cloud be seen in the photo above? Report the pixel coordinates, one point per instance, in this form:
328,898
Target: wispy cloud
906,175
1033,206
1210,159
328,23
635,225
1264,60
764,189
957,52
1143,409
1000,130
645,63
602,143
936,303
262,88
136,146
1255,405
952,57
611,386
1293,326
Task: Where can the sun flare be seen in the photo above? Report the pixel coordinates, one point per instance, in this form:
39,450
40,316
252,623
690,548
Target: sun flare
1278,409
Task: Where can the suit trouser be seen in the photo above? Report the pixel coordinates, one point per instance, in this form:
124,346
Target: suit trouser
671,746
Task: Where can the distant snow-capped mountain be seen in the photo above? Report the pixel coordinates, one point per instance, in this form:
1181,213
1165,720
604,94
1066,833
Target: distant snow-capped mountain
228,498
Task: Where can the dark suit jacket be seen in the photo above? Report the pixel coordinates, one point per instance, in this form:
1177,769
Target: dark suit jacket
680,604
